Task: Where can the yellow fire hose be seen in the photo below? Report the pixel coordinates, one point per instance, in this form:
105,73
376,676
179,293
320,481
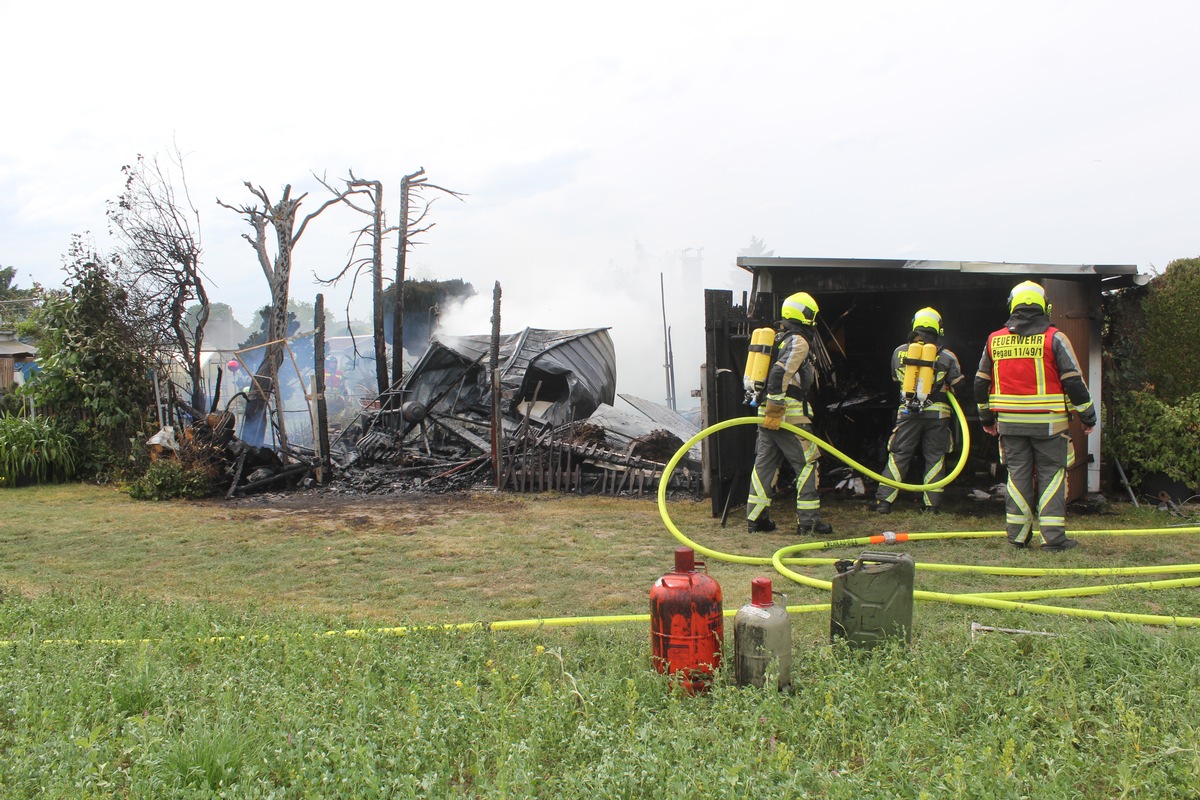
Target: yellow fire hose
996,600
781,558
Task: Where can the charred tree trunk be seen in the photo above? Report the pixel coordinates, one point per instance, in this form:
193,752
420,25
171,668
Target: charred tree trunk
408,227
319,371
281,217
381,364
196,343
263,384
401,263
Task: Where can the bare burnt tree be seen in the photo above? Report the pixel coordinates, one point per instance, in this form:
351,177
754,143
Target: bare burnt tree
281,218
159,257
411,186
412,202
373,235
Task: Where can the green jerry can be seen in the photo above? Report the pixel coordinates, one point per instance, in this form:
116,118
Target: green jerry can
872,599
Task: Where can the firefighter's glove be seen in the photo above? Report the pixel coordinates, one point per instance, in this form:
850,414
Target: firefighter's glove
773,415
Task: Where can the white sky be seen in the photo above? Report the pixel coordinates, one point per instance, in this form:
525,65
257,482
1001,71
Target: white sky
1058,132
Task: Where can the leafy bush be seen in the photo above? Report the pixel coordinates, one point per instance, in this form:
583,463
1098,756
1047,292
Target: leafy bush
168,479
34,449
1152,375
1153,436
1171,344
95,365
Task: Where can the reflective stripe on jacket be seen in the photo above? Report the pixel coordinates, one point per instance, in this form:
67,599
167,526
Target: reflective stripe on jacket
791,375
1025,382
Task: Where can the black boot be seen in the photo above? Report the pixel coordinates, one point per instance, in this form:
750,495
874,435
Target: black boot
815,529
1062,544
763,524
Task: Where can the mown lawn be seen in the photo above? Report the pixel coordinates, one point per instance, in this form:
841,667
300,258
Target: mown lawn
198,650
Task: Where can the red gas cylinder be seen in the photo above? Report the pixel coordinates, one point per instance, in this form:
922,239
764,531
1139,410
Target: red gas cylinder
687,625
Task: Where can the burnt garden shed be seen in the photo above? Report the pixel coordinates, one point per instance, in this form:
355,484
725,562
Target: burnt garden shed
866,311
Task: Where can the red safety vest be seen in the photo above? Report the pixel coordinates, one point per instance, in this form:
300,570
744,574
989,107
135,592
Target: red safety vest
1025,384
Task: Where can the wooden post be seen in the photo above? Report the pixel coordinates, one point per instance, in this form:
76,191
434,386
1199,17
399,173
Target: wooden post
497,429
322,437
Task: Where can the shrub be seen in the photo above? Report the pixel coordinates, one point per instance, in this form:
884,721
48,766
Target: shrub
168,479
94,365
1152,375
1171,344
34,449
1154,436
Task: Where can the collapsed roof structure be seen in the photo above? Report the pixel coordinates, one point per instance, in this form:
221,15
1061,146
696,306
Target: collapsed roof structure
563,376
551,394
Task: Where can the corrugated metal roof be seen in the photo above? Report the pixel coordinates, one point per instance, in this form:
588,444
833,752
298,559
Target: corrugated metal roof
16,349
586,353
666,418
585,358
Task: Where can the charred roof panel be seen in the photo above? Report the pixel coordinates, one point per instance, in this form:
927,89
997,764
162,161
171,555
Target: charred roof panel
583,364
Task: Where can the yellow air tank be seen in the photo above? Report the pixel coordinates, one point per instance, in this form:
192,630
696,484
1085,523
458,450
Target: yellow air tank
909,386
758,362
925,374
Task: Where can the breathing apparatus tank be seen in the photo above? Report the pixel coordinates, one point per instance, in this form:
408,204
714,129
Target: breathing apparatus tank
758,363
762,638
687,624
918,376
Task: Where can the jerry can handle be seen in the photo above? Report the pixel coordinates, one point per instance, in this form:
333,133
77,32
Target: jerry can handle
881,558
847,565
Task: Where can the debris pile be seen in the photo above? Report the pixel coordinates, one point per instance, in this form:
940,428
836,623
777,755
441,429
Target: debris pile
542,420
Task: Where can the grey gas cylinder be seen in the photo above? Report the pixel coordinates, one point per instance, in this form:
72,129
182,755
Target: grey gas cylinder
762,638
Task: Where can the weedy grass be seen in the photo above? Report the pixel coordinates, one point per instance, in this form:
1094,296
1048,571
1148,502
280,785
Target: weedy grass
226,683
34,450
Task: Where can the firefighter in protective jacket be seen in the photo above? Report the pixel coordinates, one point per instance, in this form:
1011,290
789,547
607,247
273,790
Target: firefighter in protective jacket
791,375
1028,382
923,421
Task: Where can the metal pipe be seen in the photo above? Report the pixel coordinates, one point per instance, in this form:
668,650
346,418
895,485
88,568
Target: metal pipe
977,628
1125,483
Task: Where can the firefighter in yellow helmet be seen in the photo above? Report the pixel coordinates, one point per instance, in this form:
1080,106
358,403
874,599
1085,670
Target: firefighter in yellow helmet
1028,382
789,380
923,420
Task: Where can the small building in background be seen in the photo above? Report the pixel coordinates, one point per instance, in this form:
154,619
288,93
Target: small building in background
16,359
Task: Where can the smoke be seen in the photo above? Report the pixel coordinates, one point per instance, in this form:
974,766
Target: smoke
627,298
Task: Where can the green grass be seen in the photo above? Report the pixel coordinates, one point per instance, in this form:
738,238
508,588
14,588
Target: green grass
1098,710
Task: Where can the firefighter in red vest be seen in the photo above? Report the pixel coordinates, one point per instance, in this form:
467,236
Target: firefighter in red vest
789,380
1028,382
334,379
